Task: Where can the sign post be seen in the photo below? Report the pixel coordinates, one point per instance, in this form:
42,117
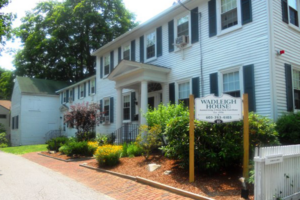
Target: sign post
246,138
192,141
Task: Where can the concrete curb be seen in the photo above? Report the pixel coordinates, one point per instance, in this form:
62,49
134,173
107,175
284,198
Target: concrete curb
152,183
69,160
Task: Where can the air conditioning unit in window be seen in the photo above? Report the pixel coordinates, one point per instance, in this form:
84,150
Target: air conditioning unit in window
106,120
181,41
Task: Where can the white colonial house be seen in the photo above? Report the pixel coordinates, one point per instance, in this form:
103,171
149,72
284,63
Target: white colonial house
198,47
34,110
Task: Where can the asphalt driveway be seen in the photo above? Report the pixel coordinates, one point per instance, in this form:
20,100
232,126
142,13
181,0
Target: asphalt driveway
21,179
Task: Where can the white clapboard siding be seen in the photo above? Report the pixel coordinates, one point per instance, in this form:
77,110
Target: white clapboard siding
278,180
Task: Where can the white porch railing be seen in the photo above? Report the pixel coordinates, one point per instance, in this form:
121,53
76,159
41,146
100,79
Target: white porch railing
277,173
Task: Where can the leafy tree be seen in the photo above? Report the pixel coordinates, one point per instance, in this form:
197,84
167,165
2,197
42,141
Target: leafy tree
5,24
6,84
59,37
83,116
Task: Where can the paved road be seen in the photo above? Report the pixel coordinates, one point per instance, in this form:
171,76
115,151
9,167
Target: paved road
21,179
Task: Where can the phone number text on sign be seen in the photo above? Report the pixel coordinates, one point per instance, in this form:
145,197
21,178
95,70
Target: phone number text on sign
223,109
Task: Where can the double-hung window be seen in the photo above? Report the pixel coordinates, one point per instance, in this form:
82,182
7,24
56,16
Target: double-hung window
296,86
106,64
126,52
229,13
126,107
183,26
184,93
150,45
71,94
231,84
293,12
81,90
106,108
93,84
65,97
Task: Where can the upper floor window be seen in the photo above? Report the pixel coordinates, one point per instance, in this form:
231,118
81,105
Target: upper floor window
126,107
106,65
183,26
82,90
150,45
231,84
2,116
93,84
184,92
65,96
106,108
71,95
296,85
126,52
229,14
293,12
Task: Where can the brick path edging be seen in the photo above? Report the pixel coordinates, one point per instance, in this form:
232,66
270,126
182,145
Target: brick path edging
151,183
68,160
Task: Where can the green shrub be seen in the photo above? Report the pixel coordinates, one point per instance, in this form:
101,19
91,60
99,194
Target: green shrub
3,139
3,145
133,150
92,147
55,143
2,129
288,127
85,136
148,139
108,155
124,149
101,139
65,149
217,146
78,148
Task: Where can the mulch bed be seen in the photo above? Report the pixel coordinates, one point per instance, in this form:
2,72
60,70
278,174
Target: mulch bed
64,157
224,186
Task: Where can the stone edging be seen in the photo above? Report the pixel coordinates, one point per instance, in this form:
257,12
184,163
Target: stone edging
69,160
151,183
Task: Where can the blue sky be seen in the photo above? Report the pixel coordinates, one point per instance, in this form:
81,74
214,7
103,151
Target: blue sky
144,10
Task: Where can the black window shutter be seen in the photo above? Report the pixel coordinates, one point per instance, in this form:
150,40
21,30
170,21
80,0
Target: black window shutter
13,122
214,89
172,93
95,85
78,91
159,41
84,89
249,86
119,54
101,67
17,122
89,86
111,110
142,49
171,35
62,98
132,50
289,87
246,11
212,18
132,106
101,104
284,8
100,108
67,97
111,61
196,87
73,94
195,25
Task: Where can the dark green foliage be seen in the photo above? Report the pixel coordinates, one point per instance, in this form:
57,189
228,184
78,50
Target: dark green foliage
217,146
111,139
6,84
6,20
59,37
85,136
55,143
288,127
2,129
133,150
101,139
3,140
124,150
77,148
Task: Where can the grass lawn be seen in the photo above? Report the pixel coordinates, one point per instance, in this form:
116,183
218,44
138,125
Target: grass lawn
20,150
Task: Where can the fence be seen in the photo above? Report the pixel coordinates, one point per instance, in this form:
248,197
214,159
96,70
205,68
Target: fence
277,173
126,133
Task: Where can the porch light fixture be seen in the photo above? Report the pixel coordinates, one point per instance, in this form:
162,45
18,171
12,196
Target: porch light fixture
280,52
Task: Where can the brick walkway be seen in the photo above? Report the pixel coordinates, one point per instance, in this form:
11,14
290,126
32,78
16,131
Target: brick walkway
113,186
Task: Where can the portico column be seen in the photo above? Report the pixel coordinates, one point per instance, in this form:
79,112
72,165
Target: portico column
119,108
144,100
165,95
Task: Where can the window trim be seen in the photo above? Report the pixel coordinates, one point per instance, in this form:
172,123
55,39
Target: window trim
91,85
298,10
105,56
81,91
188,14
71,96
106,99
65,96
145,46
297,68
219,20
181,81
123,95
221,72
128,44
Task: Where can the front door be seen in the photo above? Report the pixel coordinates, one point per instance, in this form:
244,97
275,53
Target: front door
151,104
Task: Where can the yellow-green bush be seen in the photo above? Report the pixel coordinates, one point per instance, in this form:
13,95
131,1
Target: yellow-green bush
92,147
108,155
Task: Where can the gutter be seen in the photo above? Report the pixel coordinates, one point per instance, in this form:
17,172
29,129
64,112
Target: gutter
75,84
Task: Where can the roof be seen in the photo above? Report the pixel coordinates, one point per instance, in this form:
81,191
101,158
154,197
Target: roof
6,104
40,86
76,83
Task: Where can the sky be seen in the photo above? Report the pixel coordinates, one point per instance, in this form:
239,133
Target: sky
144,10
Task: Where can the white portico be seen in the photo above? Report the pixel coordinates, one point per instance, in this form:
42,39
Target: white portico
145,79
